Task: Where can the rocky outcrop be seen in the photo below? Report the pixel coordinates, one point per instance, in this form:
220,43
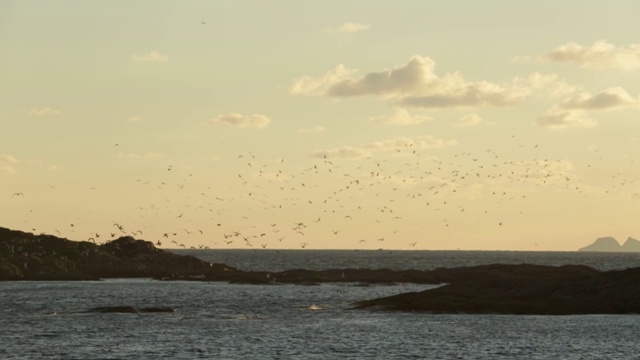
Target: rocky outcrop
525,289
131,309
25,256
631,245
603,244
609,244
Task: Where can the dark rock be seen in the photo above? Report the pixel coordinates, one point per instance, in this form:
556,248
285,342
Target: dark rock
114,309
524,289
161,309
131,309
25,256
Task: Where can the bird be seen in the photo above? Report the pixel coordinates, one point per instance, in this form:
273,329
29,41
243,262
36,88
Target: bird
18,194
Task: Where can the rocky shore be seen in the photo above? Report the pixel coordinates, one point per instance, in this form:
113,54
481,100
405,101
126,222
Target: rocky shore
502,289
26,256
524,289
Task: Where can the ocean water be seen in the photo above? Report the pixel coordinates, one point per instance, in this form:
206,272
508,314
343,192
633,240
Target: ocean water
49,320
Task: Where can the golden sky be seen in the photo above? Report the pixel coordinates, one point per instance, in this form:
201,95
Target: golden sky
493,125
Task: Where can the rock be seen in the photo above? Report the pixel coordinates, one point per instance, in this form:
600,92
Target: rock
114,309
131,309
609,244
524,289
603,244
25,256
631,245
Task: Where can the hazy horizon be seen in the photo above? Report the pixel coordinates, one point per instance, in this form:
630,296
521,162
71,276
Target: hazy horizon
322,125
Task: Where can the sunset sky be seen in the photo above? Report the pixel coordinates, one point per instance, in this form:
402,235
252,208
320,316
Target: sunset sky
492,125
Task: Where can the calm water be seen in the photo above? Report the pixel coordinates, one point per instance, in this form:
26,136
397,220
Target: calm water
41,320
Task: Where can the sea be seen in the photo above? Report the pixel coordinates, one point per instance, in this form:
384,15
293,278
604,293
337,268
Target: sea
217,320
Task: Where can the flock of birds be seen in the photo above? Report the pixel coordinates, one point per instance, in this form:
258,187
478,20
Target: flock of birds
371,202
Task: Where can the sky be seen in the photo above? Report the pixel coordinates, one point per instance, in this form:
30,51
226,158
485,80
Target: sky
418,125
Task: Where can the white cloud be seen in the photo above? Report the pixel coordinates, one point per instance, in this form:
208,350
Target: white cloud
135,118
153,56
600,55
414,142
8,159
345,152
399,143
480,93
7,170
468,120
150,155
249,121
307,85
5,167
399,116
549,84
350,27
413,84
312,130
54,168
610,98
560,119
44,111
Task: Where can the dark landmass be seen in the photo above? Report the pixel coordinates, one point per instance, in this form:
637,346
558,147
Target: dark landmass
501,289
609,244
524,289
131,309
25,256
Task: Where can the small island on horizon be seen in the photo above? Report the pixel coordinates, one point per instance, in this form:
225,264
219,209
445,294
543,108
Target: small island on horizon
610,244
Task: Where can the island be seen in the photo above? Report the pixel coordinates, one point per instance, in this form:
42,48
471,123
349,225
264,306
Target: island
499,289
610,244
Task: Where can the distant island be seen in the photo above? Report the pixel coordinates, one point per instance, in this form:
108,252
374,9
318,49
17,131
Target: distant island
609,244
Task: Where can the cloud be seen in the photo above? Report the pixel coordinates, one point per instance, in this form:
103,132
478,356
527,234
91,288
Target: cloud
600,55
345,152
549,84
5,164
8,159
468,120
7,170
610,98
250,121
44,111
135,118
398,143
312,130
472,94
560,119
350,27
414,142
54,167
414,84
150,155
399,116
153,56
307,85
